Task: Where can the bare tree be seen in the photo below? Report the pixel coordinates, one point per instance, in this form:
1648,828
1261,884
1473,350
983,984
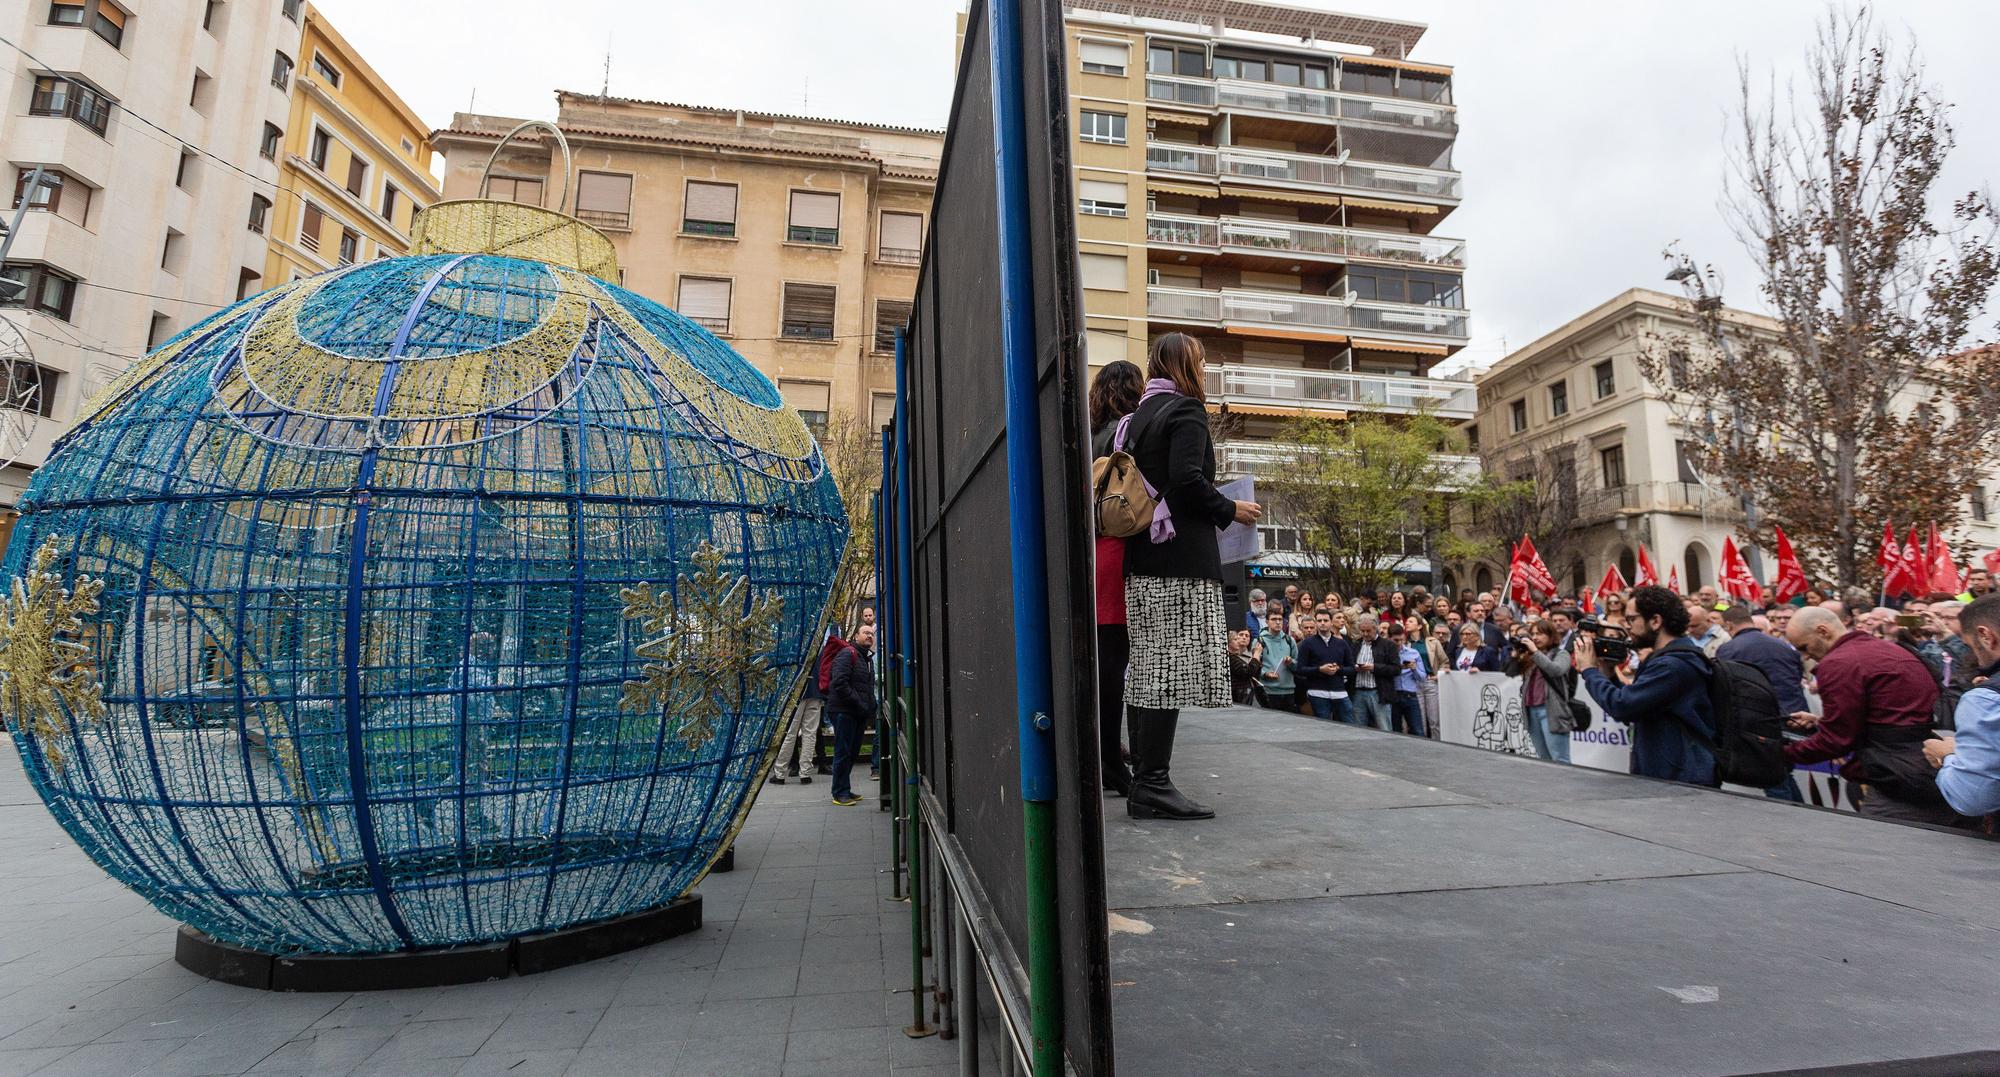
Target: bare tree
1852,413
854,456
1529,493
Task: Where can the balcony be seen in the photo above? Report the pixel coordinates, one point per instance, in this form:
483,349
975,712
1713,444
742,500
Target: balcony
1305,170
1266,459
1251,235
1181,90
1680,498
1330,105
1339,390
1286,310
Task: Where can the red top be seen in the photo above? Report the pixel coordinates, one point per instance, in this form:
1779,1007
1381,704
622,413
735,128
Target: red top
1110,581
1864,681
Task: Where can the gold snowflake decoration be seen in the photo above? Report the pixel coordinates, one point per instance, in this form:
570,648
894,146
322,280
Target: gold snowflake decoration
708,651
46,679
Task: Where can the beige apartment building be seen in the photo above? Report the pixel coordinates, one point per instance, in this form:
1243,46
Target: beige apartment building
147,120
794,239
1274,180
1575,409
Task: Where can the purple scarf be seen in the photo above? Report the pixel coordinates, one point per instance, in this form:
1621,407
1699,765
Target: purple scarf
1163,517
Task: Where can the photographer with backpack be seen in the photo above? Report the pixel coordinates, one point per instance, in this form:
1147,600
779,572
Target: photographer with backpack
1666,702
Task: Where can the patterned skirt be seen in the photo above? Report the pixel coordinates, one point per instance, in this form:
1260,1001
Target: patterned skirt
1180,647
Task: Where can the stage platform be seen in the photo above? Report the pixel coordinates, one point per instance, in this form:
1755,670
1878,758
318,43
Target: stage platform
1372,903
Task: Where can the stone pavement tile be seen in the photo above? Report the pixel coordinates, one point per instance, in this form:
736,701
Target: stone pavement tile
739,1017
663,987
543,1030
775,907
832,950
778,981
844,926
770,929
23,1062
865,886
833,1068
226,1050
848,1046
841,977
384,1008
925,1071
852,1009
757,955
68,1028
103,1059
470,1000
519,1063
325,1050
625,1061
923,1051
455,1037
730,1056
582,987
139,991
627,1026
846,904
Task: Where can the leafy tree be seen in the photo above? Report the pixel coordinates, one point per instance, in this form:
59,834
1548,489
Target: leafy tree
1357,488
1851,413
1533,494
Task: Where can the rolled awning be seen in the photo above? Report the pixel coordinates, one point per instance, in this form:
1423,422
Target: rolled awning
1278,412
1390,207
1303,198
1399,346
1180,189
1383,61
1182,118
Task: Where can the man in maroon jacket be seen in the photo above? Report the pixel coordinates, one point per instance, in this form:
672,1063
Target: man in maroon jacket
1878,700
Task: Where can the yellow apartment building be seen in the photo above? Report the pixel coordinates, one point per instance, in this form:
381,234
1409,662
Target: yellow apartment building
795,239
354,159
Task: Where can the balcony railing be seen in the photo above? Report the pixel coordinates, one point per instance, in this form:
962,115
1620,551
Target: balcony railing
1676,497
1306,170
1294,311
1268,458
1308,240
1181,90
899,255
1342,390
1327,104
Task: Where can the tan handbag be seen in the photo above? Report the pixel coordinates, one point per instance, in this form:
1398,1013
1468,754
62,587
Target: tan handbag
1124,508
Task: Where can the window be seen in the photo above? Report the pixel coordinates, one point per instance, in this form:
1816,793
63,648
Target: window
808,312
108,22
1979,510
1677,367
66,13
1287,73
291,10
1559,400
78,100
324,69
181,171
710,209
1611,466
705,301
246,283
173,252
1164,59
1606,377
29,387
1407,286
260,213
1100,198
1517,415
891,315
208,13
57,193
357,174
159,330
1105,272
902,238
390,196
1099,58
1687,462
815,218
528,192
409,147
1565,476
198,95
46,288
274,137
604,199
811,399
350,246
310,223
317,154
881,411
1472,437
1107,127
281,71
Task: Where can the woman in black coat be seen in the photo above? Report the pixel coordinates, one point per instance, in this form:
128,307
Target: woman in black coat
1173,574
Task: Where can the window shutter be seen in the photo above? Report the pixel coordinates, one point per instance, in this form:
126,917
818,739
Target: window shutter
890,315
705,300
1105,271
813,210
806,395
1101,191
1091,52
711,202
881,410
1103,346
808,311
603,192
902,231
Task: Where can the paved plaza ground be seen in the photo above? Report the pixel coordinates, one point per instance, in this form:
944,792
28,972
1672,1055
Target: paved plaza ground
795,971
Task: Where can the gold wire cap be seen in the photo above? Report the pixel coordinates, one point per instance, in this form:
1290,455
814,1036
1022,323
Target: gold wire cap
483,226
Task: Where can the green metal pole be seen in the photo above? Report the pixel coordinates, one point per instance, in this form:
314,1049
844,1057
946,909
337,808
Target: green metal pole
913,860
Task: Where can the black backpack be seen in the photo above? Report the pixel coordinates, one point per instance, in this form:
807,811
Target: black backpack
1749,742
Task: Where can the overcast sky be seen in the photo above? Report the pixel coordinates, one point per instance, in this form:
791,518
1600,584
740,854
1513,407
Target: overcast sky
1592,132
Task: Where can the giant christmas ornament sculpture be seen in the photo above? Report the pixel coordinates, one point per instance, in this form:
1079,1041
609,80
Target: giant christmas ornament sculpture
435,600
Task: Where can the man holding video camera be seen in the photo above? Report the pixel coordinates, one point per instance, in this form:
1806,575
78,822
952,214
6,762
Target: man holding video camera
1666,701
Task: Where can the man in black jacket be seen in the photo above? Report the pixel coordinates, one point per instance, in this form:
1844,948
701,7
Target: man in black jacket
1324,664
851,698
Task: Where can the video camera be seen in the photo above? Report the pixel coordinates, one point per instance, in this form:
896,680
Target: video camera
1614,645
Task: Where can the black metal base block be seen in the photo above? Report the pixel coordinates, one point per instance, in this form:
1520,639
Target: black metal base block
724,863
525,956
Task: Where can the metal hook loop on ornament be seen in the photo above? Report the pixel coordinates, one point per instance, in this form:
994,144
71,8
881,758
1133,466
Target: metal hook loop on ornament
486,176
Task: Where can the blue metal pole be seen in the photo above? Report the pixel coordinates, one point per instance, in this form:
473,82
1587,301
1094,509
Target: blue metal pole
1033,685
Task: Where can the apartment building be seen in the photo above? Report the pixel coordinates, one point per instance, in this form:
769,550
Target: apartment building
1273,180
795,239
355,160
1574,409
147,122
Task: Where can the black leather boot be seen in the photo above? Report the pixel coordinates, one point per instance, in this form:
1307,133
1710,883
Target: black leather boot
1117,776
1153,794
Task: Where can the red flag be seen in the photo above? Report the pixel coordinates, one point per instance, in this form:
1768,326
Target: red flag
1674,578
1943,570
1890,554
1531,571
1992,561
1736,577
1613,580
1646,575
1791,582
1909,576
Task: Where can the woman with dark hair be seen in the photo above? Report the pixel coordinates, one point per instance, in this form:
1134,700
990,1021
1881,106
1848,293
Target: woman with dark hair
1113,394
1399,607
1173,574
